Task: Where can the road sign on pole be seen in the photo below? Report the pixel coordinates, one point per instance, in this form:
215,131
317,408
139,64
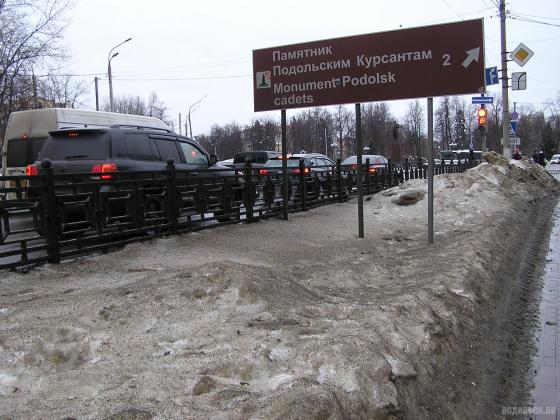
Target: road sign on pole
429,61
512,129
478,100
521,54
491,76
518,81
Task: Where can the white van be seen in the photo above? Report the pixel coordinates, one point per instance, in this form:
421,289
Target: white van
27,131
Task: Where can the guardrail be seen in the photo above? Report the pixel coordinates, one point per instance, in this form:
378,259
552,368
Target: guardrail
53,216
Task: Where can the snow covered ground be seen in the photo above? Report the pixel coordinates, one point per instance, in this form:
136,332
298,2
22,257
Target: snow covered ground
279,319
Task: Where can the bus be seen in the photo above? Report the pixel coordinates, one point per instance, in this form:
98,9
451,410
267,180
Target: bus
465,155
454,156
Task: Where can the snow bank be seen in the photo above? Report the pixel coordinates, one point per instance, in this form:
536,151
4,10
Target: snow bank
297,319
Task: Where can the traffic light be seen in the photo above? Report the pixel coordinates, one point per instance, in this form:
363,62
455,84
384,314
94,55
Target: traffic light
481,115
395,130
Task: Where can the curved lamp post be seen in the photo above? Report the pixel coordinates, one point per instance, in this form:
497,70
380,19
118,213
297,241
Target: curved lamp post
190,110
109,58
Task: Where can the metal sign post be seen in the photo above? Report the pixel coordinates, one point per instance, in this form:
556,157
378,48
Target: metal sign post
360,170
430,171
285,197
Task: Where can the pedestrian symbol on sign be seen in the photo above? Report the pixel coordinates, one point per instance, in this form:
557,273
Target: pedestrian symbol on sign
264,79
513,129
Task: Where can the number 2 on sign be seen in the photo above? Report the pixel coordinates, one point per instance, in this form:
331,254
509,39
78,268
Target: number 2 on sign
446,59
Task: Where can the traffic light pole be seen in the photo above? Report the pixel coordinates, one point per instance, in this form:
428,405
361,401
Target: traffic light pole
505,104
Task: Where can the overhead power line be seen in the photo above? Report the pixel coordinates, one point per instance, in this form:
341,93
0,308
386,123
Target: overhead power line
183,78
522,19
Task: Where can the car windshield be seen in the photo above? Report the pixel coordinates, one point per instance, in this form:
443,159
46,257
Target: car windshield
277,163
75,145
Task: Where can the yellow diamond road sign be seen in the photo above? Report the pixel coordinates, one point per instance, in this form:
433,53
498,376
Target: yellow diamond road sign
521,54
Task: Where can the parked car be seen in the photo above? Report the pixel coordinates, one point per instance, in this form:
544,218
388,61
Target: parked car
376,162
555,160
312,162
226,162
256,158
123,148
315,167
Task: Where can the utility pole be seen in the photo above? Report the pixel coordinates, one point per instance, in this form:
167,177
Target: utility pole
505,104
96,79
35,101
180,124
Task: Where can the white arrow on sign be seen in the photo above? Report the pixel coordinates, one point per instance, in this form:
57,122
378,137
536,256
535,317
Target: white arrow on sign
472,55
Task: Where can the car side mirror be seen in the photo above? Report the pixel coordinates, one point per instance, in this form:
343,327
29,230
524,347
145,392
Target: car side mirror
213,159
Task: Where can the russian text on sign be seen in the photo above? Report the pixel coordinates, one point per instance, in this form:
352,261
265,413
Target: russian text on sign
375,60
306,68
299,54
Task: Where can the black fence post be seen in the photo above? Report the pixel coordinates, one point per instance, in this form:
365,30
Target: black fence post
368,178
339,178
406,169
390,169
249,191
172,208
51,221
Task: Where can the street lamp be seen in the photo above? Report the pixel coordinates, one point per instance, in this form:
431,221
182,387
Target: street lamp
109,58
191,109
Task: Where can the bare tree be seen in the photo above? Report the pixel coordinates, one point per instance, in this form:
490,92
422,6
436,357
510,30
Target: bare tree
459,124
156,108
377,128
135,105
61,90
344,128
262,134
414,126
30,44
444,122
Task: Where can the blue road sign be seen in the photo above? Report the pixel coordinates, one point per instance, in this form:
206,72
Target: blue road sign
512,128
491,76
482,100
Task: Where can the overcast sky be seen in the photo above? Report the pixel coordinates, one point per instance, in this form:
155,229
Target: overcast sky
187,50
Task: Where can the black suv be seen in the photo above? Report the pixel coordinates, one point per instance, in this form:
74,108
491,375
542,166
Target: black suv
123,148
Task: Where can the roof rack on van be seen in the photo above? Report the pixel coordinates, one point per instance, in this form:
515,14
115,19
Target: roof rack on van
140,127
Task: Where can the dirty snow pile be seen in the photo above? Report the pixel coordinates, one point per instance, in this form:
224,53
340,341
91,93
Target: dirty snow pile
276,319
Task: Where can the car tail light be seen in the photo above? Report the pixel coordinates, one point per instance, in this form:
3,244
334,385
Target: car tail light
31,170
372,170
263,171
103,168
306,171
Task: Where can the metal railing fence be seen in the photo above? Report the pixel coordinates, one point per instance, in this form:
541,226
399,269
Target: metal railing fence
53,216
